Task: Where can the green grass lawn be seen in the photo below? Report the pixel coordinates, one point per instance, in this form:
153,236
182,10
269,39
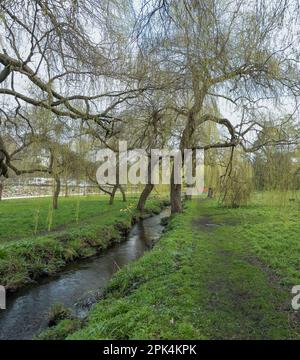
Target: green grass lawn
81,227
216,274
21,218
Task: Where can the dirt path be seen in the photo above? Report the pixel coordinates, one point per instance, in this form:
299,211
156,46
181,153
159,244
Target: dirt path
239,297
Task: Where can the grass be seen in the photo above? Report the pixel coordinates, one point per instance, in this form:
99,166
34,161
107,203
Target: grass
216,274
21,218
98,226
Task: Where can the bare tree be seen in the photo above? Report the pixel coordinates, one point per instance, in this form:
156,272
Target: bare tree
50,60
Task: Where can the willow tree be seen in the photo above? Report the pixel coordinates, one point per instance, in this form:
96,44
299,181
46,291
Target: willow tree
235,52
66,57
151,125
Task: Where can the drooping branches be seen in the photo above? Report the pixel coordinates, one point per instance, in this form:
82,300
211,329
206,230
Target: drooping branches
223,53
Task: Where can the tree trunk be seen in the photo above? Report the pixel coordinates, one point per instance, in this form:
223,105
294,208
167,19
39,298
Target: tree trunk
186,196
117,186
144,196
175,195
112,195
146,191
56,192
210,193
1,189
123,193
66,189
175,191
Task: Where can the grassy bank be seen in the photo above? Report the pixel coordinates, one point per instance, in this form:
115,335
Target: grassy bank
75,234
216,274
21,218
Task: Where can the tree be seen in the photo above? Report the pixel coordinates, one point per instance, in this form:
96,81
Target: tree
152,130
222,50
48,52
170,82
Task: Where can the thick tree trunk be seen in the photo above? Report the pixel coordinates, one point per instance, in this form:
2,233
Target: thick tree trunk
175,195
175,191
144,196
187,196
146,191
56,192
176,205
123,193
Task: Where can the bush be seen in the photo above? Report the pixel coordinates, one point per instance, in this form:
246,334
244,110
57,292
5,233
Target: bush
57,313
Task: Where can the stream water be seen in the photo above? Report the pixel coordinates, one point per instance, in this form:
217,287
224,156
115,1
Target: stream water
27,310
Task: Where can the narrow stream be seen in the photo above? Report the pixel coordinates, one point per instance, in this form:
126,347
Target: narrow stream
27,310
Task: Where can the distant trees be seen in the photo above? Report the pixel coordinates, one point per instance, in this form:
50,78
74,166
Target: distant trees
109,189
275,168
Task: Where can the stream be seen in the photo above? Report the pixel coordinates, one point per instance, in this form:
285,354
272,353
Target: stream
27,309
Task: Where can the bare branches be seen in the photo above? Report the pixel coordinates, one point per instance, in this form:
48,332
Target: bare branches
77,66
6,161
51,54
